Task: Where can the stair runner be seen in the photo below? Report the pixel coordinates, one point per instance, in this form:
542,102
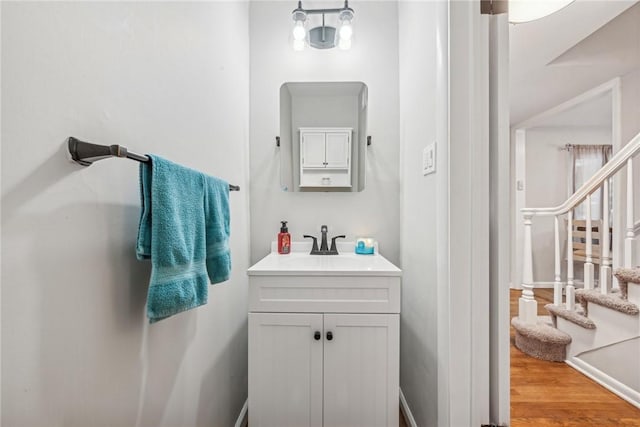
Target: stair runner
545,342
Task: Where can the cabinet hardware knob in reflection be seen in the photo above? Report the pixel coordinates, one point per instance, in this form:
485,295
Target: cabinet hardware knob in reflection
329,336
317,335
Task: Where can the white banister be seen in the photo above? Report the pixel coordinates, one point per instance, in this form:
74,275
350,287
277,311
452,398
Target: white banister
527,305
630,236
619,160
557,278
571,296
605,252
588,265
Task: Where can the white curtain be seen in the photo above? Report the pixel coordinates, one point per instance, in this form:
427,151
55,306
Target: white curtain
586,160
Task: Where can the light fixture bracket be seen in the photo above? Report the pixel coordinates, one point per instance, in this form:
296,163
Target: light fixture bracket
323,37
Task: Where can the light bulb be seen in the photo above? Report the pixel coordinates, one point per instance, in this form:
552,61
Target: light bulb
344,44
298,45
299,33
346,30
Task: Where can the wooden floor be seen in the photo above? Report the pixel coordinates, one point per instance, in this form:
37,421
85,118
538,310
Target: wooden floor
402,423
554,394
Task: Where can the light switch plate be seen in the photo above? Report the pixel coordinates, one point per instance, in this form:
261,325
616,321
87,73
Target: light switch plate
429,159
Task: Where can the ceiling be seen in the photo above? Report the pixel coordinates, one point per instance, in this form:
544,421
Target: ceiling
595,112
567,53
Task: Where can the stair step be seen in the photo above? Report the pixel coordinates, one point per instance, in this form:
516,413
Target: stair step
541,340
627,276
571,316
613,302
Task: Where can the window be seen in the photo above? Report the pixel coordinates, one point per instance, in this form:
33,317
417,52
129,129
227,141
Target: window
586,160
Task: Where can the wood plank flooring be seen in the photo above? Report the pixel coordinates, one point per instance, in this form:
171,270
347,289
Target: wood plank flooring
554,394
402,422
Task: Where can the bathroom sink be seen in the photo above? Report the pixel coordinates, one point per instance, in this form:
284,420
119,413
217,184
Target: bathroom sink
300,263
345,283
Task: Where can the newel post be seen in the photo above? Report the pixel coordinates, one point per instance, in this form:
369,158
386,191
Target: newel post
527,306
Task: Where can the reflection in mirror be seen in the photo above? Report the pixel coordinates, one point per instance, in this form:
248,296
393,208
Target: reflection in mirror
323,136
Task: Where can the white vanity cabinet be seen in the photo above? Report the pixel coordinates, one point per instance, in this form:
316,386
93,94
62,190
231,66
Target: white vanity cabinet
325,157
324,342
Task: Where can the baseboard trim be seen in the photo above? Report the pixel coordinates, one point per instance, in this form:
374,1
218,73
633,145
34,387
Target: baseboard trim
408,416
243,419
611,384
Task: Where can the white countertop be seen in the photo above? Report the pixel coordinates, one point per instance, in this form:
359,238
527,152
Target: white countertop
300,263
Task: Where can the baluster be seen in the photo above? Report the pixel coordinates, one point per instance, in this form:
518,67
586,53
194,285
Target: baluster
570,297
628,241
557,281
527,306
605,253
588,265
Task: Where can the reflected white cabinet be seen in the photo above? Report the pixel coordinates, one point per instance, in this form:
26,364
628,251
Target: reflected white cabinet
323,369
325,157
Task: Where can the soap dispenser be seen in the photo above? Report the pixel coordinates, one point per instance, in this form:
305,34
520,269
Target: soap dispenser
284,239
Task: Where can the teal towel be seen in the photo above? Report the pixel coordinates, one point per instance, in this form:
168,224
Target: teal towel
184,230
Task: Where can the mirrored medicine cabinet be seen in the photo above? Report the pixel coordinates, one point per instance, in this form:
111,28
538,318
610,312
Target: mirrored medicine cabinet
323,136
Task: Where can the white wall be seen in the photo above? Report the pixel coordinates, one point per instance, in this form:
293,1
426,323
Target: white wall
545,185
630,112
630,105
167,78
373,59
423,213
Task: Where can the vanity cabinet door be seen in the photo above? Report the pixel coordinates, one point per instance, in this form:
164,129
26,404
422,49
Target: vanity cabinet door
285,369
361,370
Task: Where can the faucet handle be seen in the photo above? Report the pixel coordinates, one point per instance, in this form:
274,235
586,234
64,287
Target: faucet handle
323,228
333,243
314,246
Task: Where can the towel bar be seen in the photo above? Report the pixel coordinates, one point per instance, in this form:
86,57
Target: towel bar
85,153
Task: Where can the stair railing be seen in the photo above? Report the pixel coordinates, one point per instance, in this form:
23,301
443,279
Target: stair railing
527,306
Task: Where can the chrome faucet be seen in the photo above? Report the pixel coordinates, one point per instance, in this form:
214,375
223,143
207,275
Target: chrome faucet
324,247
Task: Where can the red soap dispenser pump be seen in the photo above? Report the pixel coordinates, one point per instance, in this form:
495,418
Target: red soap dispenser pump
284,239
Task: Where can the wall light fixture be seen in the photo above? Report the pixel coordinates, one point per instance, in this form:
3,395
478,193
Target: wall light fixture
323,36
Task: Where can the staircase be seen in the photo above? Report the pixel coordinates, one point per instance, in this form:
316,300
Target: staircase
596,330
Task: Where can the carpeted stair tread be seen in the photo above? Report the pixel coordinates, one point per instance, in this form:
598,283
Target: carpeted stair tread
626,275
541,340
542,330
571,316
613,302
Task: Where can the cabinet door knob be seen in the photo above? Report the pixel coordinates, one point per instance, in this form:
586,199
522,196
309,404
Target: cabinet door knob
329,336
317,335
